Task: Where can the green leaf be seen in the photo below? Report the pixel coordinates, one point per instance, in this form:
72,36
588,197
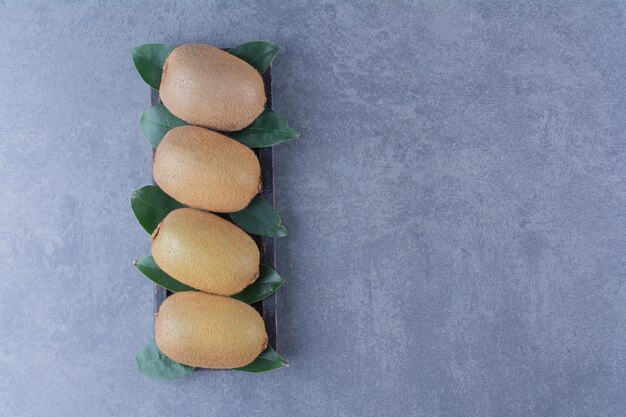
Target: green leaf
156,121
150,205
259,54
259,218
149,60
151,270
269,129
152,363
266,361
267,284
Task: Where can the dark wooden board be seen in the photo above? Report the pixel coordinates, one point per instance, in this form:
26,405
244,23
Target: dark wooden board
267,307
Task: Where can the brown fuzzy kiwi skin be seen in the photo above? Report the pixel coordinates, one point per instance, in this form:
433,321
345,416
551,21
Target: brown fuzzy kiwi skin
207,170
205,252
209,331
206,86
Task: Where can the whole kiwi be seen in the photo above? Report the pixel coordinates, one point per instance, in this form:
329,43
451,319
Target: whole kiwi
205,252
209,331
206,170
206,86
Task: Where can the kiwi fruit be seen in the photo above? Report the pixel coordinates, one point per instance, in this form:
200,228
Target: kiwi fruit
207,170
206,252
206,86
209,331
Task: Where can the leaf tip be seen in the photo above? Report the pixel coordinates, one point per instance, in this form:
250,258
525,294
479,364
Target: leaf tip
135,49
282,231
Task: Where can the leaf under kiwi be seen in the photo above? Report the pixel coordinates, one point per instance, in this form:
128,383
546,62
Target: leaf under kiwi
269,129
151,204
259,54
153,364
149,59
268,282
268,360
259,218
156,121
151,270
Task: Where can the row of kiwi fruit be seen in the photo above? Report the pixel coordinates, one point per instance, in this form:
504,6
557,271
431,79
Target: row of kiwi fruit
210,173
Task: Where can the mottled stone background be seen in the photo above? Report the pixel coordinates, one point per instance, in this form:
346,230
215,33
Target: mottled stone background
456,207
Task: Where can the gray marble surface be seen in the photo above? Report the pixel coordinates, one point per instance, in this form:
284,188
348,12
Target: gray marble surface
456,207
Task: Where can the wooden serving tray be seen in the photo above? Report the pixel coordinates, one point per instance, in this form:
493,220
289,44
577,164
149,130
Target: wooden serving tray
267,307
